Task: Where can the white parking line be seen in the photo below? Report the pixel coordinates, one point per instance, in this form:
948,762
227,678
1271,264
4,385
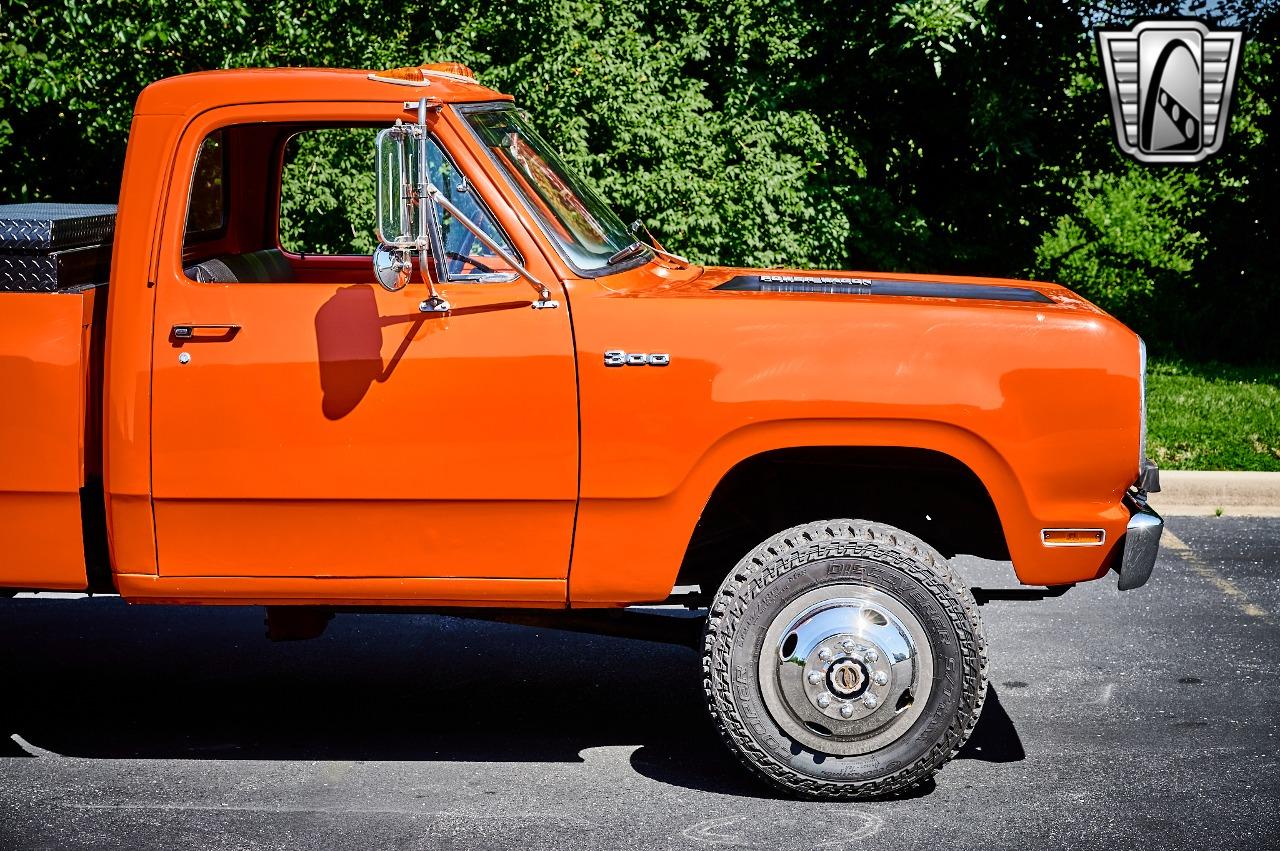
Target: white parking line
1228,588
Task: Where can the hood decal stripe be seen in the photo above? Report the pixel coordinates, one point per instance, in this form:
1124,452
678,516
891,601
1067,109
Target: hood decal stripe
867,286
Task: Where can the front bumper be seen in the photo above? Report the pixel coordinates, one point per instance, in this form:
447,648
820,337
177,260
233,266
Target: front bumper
1141,544
1148,476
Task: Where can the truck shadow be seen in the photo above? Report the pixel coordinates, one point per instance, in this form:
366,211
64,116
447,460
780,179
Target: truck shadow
96,679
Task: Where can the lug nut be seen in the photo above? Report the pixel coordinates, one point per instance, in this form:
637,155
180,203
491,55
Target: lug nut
869,701
847,644
824,654
871,655
846,711
824,701
880,677
815,677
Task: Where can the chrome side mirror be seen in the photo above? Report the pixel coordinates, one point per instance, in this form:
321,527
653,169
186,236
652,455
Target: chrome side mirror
408,218
392,268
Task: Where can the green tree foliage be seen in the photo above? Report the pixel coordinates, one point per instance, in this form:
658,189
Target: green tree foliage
327,192
1180,252
963,136
1127,238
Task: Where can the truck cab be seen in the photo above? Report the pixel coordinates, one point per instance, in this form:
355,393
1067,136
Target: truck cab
367,341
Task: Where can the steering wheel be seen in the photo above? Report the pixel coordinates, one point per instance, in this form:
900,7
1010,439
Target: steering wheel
469,260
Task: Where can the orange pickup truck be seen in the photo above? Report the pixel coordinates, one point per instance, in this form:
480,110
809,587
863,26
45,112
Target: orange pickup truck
511,402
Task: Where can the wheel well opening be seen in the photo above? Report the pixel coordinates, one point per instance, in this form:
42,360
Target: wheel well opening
926,493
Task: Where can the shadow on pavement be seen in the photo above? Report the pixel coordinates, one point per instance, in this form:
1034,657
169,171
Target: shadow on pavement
995,738
708,767
95,678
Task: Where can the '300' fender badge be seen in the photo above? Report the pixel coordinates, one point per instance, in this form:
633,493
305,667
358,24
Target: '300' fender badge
617,357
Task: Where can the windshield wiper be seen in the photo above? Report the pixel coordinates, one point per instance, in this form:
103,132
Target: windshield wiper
627,253
638,225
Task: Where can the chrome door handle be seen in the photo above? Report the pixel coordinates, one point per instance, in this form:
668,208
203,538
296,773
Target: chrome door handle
192,332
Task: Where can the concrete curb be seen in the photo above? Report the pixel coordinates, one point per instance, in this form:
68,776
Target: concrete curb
1218,492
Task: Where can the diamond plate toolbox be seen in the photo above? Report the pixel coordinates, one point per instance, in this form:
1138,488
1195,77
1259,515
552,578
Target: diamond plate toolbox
33,273
50,247
41,228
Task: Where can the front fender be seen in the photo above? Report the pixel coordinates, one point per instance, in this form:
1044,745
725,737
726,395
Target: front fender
629,550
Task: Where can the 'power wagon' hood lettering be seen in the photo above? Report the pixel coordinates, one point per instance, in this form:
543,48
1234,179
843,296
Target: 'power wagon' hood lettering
867,286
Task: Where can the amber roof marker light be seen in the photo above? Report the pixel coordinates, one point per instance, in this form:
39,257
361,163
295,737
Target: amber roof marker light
419,75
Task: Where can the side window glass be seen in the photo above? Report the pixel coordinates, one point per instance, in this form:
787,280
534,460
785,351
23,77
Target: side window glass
327,192
327,198
207,206
464,254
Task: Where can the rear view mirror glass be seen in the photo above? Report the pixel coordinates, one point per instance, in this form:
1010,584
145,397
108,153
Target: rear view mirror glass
399,206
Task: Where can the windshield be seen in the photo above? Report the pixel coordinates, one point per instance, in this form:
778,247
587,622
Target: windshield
586,231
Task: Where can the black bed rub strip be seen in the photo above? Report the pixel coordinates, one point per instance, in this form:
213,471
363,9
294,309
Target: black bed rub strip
866,286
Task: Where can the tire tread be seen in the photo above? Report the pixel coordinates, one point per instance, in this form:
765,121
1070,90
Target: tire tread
773,558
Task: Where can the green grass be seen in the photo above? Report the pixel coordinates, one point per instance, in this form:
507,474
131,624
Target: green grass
1212,416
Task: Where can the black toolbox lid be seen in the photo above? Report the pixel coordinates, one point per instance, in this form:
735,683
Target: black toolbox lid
41,228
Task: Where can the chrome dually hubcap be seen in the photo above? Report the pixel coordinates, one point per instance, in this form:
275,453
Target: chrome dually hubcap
846,669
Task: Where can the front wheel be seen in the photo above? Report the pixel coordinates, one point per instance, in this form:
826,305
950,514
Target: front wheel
843,659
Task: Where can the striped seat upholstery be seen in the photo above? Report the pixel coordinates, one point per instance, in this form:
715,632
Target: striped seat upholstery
258,267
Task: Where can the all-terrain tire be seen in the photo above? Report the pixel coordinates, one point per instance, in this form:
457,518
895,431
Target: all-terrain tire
841,554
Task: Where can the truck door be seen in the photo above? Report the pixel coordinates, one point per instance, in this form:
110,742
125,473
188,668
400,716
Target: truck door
308,423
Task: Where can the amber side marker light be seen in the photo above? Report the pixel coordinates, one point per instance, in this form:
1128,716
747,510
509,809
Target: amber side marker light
1073,537
419,75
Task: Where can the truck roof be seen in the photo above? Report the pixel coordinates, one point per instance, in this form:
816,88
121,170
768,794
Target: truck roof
194,93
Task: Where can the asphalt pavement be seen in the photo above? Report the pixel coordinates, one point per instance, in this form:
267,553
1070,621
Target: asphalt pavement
1114,720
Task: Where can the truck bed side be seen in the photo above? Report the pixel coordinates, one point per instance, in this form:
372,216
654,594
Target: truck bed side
50,431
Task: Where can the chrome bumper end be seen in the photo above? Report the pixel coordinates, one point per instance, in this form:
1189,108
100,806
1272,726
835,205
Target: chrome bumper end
1141,545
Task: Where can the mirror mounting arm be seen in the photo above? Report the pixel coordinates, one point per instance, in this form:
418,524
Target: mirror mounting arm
544,300
422,106
428,224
